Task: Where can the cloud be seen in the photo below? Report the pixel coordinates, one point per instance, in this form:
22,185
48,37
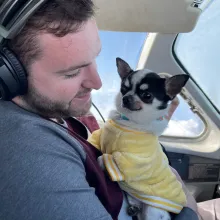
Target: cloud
193,127
184,128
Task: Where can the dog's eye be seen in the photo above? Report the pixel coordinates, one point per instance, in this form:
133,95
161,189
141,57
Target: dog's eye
146,96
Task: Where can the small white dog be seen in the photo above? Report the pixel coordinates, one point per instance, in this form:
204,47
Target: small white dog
129,142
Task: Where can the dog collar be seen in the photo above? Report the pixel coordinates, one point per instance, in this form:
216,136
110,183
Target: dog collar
123,117
162,118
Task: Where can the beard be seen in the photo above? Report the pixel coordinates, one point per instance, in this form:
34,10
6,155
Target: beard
46,107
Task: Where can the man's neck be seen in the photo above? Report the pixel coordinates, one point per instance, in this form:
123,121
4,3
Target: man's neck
18,100
23,104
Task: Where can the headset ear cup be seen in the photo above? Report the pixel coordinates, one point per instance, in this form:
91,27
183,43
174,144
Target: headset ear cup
3,91
18,69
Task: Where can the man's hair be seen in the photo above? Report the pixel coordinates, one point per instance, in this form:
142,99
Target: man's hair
58,17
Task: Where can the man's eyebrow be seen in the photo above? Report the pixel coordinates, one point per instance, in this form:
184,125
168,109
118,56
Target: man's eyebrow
72,68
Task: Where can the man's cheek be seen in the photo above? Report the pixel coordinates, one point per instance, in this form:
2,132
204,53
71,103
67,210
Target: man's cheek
67,95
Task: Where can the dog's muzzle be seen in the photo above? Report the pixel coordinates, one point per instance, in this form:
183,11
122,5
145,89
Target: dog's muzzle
129,103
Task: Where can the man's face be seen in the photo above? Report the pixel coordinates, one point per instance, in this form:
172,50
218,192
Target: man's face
61,81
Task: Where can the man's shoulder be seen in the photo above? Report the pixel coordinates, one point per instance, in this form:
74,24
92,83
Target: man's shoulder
24,130
13,116
32,146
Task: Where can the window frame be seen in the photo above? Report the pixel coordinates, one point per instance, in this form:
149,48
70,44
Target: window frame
181,65
203,133
170,137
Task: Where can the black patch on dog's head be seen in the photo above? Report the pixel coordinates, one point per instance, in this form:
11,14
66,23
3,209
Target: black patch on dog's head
155,89
150,86
127,80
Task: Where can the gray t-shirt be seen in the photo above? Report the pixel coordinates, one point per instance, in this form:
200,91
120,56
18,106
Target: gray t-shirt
42,175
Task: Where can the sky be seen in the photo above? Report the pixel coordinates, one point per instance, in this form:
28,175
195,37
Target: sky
204,47
196,50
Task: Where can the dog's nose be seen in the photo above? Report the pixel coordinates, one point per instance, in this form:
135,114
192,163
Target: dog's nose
127,100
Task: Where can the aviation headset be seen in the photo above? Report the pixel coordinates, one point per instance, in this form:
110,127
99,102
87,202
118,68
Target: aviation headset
13,16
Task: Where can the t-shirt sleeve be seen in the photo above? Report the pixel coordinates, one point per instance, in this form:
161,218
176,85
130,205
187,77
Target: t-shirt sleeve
44,178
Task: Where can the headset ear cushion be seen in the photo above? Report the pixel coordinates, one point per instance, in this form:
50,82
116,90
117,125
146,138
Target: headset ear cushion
18,69
4,93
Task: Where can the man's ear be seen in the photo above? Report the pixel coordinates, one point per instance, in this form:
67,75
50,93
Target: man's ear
174,84
123,68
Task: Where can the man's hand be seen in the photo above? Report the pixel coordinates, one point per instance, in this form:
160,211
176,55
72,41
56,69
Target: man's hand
173,106
190,201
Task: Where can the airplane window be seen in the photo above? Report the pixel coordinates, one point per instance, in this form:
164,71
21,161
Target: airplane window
128,46
198,52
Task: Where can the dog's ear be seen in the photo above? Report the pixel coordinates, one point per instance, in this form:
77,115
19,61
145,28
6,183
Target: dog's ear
174,84
123,68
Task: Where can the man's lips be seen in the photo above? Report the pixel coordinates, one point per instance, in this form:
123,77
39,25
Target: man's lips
85,96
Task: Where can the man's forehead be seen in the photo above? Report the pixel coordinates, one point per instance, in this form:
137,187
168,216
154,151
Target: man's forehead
73,49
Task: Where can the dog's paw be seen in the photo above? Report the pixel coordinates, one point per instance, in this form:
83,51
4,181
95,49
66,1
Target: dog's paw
100,161
153,213
133,210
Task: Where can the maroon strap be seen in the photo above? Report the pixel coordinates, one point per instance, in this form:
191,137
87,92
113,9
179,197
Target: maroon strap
108,192
90,122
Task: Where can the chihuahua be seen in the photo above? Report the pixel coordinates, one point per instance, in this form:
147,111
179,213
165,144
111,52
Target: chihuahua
131,151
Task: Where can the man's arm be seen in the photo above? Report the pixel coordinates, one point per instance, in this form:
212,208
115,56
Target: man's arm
190,211
44,178
187,214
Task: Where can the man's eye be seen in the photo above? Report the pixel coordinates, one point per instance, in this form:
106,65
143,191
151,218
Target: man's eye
76,73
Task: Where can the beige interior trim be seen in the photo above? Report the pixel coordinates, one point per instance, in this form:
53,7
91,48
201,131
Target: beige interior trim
164,16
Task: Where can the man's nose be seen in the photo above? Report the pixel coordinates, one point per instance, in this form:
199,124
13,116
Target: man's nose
93,79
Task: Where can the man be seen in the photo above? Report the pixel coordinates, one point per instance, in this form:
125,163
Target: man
48,170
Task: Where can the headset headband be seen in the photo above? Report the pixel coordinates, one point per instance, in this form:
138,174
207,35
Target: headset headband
14,14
